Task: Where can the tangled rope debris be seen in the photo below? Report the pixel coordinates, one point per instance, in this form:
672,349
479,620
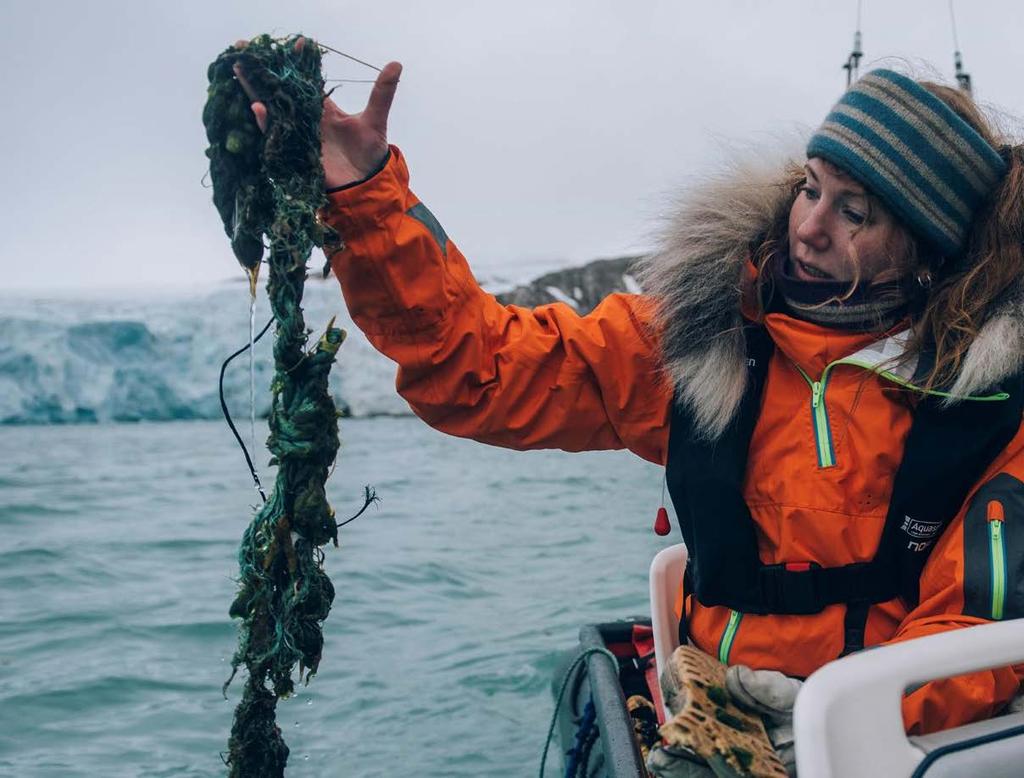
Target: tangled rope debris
272,185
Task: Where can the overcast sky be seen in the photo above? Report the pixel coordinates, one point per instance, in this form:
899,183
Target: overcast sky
539,132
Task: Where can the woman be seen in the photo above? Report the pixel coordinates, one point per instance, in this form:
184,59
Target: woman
822,362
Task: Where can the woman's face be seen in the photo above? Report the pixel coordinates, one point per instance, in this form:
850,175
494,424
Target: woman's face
835,232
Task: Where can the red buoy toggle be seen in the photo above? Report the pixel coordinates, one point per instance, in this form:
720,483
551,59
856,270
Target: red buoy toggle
661,524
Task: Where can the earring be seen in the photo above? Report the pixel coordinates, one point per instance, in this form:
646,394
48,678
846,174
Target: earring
924,279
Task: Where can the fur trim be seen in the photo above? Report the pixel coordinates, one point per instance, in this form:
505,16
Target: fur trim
696,279
997,352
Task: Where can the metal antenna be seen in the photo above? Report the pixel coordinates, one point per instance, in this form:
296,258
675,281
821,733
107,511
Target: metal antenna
852,65
963,78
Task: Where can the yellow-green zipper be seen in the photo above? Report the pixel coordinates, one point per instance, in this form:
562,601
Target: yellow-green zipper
819,414
819,411
725,644
997,557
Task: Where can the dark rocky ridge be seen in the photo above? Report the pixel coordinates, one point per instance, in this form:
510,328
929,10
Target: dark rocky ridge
580,287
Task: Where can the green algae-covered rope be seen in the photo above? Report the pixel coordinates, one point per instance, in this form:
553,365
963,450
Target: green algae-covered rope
272,184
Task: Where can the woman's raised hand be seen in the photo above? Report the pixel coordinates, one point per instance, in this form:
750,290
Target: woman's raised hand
354,144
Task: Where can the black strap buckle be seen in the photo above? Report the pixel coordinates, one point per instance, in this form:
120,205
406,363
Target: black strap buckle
791,588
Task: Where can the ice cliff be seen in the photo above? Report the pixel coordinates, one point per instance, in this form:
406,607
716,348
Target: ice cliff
157,357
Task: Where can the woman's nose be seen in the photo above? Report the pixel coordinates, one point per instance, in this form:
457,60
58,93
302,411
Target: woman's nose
813,230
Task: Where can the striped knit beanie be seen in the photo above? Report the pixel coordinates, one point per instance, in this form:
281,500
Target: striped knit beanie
928,166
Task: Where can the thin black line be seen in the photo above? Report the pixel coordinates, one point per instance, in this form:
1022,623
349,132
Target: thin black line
349,56
952,18
227,414
963,745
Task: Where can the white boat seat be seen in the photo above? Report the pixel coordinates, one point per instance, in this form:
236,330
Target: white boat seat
666,576
993,748
848,719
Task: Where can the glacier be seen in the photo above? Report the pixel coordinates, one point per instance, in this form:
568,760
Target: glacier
156,355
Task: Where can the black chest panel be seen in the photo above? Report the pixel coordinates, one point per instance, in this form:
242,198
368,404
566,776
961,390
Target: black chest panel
946,452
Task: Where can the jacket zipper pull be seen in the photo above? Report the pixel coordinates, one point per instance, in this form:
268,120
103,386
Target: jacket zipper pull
994,511
997,531
816,394
996,516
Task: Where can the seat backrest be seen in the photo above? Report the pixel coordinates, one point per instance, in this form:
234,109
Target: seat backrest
848,720
666,577
993,748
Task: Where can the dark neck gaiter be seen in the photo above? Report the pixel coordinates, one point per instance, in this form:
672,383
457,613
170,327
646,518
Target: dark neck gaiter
867,307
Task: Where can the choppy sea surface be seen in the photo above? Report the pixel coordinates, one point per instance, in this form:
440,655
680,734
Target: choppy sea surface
455,597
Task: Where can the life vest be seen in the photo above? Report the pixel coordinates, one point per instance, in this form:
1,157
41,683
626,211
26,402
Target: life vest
946,451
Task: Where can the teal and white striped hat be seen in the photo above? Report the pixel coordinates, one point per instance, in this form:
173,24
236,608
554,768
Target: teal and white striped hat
928,166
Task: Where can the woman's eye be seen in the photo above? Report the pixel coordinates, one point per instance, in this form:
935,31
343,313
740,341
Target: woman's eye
854,216
811,194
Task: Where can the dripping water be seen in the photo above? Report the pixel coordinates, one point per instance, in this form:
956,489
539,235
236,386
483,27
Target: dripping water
252,372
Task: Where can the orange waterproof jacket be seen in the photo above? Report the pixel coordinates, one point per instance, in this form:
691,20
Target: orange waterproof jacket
819,474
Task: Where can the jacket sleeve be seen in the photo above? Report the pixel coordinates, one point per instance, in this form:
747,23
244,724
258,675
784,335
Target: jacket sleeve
959,589
505,375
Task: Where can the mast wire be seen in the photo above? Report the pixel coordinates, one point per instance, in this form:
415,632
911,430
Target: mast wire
952,19
852,66
963,78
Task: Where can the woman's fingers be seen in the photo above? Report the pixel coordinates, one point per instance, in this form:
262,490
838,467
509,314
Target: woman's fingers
246,86
332,112
377,108
379,104
259,112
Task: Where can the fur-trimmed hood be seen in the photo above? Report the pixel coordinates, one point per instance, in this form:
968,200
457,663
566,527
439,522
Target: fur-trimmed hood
696,278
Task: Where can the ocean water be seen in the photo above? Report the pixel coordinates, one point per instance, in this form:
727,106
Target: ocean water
454,597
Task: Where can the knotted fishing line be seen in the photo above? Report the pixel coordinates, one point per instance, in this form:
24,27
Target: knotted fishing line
369,495
271,184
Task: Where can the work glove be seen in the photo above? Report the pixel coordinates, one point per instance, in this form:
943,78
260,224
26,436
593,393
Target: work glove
768,693
670,762
665,761
771,694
